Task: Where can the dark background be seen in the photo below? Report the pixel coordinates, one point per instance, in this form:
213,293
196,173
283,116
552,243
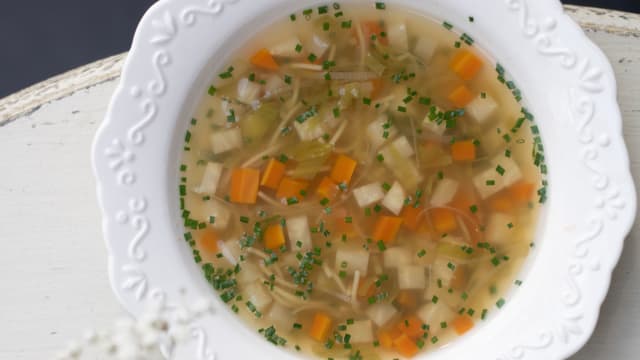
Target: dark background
40,39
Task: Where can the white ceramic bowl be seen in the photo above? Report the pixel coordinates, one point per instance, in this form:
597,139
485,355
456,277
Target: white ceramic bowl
565,79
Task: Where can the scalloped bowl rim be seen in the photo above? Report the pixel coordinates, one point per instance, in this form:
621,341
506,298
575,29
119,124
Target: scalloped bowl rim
139,142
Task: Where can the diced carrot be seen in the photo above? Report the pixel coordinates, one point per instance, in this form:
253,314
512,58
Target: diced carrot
461,96
208,241
343,169
522,191
244,185
386,228
370,28
386,337
501,203
273,174
327,188
378,85
406,299
463,151
444,220
411,326
320,327
464,199
263,59
274,237
340,224
466,64
405,346
291,188
462,324
411,217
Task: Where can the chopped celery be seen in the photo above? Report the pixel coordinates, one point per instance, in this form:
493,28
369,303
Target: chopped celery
456,251
259,122
311,157
374,64
309,151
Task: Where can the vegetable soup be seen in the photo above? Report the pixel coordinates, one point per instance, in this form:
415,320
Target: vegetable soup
361,182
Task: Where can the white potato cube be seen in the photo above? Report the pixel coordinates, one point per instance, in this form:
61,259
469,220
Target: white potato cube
400,147
258,295
249,273
444,192
376,131
311,129
361,332
411,277
318,46
280,316
226,140
248,91
435,314
394,200
217,210
298,231
440,270
425,48
286,48
510,175
351,260
397,35
481,109
396,257
210,179
498,230
380,314
432,125
368,194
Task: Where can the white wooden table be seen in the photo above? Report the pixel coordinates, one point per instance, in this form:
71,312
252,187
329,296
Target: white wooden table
53,279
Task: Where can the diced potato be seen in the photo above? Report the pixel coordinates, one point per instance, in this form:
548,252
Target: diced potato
286,48
490,181
298,231
280,317
361,332
368,194
481,109
441,270
226,140
435,314
311,129
394,200
258,295
433,126
210,179
396,257
248,91
400,147
231,250
397,35
411,277
425,48
217,210
498,230
274,84
376,131
444,192
380,314
249,273
352,259
318,45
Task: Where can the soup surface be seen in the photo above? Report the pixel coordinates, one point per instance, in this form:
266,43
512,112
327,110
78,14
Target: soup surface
360,182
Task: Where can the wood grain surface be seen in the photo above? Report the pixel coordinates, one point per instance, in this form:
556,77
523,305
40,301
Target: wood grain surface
53,279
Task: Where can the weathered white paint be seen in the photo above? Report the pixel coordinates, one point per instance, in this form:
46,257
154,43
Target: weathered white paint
53,281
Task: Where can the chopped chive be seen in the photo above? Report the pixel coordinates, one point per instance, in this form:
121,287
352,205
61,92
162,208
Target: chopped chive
212,90
381,6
